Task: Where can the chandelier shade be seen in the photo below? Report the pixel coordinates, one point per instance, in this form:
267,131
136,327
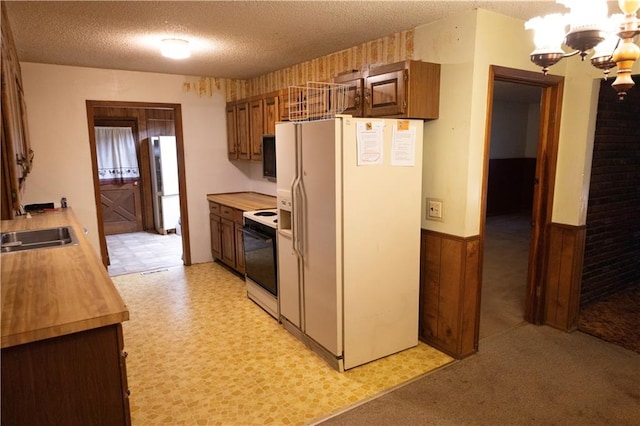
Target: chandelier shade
586,28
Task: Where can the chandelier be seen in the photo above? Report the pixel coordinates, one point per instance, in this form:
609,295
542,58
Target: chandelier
589,29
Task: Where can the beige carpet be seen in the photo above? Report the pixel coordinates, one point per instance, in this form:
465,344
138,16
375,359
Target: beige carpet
529,375
201,353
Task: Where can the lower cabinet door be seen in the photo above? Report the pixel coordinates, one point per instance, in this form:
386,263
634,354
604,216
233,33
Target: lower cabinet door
228,242
75,379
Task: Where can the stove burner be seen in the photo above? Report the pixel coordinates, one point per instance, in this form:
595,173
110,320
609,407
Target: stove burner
265,214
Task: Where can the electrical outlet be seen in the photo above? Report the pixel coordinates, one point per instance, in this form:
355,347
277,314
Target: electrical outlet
434,209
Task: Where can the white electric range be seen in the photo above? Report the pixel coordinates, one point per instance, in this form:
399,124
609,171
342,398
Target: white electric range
260,257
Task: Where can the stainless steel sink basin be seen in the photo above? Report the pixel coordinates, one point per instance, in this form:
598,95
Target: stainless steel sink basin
37,239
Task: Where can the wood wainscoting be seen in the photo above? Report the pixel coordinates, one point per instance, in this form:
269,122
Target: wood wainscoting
450,292
565,255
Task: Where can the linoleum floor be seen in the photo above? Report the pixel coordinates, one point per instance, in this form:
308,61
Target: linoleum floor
143,251
201,353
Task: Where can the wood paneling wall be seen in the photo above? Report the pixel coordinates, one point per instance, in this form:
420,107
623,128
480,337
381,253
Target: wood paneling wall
510,185
149,122
385,50
565,253
449,292
612,250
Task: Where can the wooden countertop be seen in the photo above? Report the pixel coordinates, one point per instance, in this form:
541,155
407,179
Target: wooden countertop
245,201
55,291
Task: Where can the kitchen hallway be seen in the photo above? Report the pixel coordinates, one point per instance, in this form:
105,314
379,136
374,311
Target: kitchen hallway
199,352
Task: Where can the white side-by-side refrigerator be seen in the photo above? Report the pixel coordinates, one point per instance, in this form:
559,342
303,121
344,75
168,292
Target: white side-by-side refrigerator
166,192
349,201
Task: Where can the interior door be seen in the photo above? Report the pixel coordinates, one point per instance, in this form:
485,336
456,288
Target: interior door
121,208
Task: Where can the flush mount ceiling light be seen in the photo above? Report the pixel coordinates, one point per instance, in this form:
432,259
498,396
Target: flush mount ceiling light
587,27
175,48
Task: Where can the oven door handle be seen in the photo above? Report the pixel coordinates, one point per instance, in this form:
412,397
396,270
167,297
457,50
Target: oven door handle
258,235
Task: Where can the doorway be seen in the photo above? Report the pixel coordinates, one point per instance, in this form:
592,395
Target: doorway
149,120
511,175
523,187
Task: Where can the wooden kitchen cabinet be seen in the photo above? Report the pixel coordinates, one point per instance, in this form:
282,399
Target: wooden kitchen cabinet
74,379
407,89
226,219
226,235
247,121
238,130
17,156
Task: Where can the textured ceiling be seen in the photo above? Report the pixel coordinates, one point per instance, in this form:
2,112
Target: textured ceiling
230,39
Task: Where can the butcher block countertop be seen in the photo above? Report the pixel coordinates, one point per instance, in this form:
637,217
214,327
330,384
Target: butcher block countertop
55,291
245,201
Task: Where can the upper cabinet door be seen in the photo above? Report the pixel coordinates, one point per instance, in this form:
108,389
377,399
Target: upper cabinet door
354,101
385,95
232,142
271,114
256,120
243,131
407,89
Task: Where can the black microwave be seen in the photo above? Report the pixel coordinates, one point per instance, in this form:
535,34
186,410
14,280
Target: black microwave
269,156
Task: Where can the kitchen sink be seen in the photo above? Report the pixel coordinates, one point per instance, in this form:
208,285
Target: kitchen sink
37,239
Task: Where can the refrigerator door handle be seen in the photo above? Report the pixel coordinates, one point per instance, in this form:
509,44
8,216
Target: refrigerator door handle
297,192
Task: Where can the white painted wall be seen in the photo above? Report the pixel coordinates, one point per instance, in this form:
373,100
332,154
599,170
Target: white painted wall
509,129
533,130
449,42
55,97
466,46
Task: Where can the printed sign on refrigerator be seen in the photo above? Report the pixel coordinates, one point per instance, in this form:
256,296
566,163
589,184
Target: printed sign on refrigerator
369,140
403,145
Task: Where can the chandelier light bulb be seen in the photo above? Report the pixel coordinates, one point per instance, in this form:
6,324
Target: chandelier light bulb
175,48
548,33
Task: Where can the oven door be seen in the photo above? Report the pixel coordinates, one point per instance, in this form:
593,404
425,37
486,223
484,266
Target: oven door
260,258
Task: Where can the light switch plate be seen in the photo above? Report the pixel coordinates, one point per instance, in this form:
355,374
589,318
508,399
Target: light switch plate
434,209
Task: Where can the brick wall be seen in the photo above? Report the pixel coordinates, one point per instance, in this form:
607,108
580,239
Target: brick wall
612,249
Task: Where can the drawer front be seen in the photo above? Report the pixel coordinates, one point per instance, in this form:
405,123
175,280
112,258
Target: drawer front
237,216
226,212
214,208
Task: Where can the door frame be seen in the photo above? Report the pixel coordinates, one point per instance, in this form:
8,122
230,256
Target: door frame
544,185
184,217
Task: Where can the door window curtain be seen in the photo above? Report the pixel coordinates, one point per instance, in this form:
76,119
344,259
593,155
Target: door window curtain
117,160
